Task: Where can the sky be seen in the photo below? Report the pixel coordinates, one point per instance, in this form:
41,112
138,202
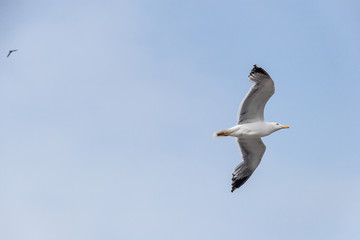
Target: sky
108,108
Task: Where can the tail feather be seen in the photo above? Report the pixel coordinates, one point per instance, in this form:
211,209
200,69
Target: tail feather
223,133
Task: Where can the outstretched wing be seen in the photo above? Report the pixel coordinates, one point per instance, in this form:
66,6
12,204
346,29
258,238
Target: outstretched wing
14,50
252,150
252,107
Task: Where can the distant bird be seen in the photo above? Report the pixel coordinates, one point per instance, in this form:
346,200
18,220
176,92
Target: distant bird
251,126
14,50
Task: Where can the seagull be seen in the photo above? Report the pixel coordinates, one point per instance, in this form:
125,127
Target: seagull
251,126
14,50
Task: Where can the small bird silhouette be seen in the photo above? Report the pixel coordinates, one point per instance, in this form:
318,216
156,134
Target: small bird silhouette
14,50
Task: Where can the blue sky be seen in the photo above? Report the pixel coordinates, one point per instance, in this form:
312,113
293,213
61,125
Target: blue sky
108,110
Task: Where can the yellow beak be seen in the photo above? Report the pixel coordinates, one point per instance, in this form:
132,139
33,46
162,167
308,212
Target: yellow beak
285,126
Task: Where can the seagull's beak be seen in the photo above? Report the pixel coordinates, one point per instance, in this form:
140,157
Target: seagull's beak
285,126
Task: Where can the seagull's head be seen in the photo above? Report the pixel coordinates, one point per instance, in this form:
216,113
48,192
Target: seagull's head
277,126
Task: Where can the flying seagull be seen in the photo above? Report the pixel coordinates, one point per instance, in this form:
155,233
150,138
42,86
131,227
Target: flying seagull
251,126
14,50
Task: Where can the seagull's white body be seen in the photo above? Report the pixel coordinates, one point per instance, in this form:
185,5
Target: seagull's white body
251,126
251,130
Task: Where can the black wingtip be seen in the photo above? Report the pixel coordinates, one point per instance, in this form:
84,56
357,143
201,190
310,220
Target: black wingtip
238,182
257,69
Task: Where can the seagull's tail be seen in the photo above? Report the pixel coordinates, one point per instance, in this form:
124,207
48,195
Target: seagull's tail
223,133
